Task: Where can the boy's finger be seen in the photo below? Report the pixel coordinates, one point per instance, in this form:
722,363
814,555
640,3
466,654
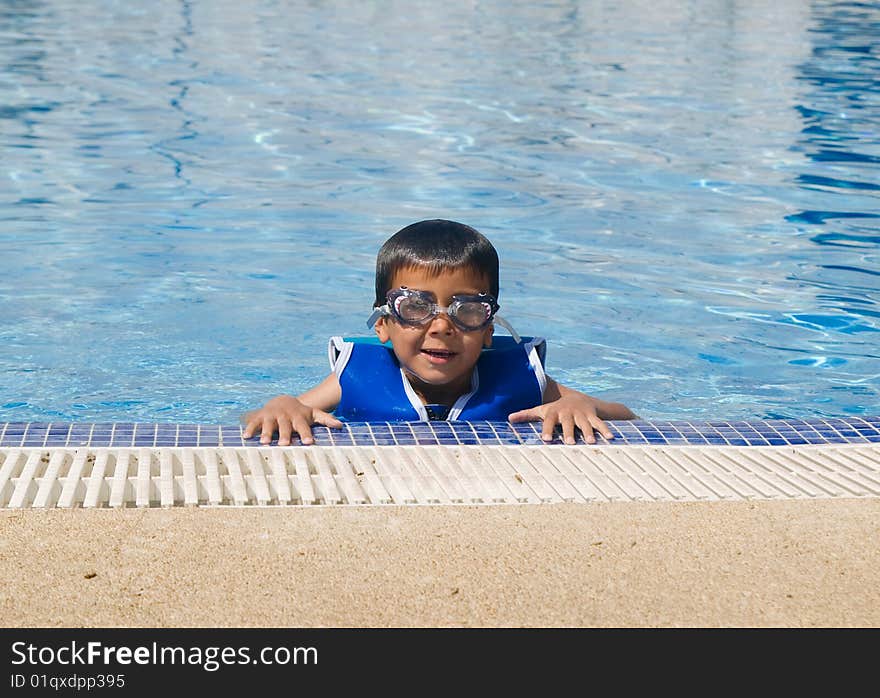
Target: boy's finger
586,429
285,427
327,419
304,429
602,428
568,429
268,429
549,426
532,414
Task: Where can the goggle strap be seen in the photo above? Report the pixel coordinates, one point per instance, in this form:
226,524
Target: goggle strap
378,312
506,325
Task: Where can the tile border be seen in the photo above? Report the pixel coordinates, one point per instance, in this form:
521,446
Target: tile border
773,432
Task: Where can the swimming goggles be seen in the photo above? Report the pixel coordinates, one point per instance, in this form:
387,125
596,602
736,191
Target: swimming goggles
468,313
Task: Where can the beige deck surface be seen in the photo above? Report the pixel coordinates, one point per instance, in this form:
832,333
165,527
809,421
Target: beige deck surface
740,563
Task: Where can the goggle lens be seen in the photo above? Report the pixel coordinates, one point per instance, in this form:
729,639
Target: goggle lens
473,314
413,309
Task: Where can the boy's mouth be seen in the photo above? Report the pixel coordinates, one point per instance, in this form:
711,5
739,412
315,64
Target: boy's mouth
438,356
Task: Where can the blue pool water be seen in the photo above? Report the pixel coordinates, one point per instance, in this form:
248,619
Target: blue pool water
684,195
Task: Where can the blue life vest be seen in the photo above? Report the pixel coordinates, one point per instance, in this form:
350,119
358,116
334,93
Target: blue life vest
507,377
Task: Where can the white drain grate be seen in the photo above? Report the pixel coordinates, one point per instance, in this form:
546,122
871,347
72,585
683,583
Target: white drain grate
165,477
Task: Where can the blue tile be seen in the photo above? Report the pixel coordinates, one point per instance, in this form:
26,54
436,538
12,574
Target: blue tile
655,438
743,431
698,440
527,426
512,439
635,440
359,433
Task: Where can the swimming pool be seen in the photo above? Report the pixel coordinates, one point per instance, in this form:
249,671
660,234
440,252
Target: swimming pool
683,194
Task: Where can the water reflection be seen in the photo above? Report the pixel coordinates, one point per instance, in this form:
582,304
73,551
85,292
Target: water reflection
839,139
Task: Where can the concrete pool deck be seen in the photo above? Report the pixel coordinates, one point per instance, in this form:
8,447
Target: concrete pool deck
789,563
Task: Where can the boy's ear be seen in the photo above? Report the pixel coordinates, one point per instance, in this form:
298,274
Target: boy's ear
487,337
382,330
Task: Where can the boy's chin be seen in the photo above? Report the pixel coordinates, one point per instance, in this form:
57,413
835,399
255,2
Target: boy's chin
434,377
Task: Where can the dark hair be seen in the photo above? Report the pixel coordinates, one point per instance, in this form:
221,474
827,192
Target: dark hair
437,245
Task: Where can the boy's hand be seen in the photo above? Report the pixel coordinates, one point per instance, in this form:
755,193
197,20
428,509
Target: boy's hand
572,410
288,415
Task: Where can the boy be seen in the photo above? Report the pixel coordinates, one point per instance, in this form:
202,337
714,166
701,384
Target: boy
436,291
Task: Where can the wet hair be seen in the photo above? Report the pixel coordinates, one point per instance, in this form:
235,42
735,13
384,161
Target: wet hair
437,246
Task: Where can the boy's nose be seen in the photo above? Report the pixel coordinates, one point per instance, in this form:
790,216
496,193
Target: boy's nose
441,322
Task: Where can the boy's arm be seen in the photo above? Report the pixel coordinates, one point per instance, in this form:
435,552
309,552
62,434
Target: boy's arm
571,408
290,414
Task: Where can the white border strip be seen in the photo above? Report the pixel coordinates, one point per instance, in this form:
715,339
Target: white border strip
448,475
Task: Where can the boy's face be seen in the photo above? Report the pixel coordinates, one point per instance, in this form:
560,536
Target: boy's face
438,357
